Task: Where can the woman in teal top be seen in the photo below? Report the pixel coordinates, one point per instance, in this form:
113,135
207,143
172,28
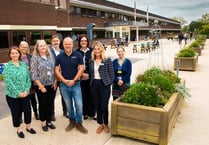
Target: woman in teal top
17,79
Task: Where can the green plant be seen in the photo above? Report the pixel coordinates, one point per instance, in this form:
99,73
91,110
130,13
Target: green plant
187,52
143,94
154,87
183,90
194,44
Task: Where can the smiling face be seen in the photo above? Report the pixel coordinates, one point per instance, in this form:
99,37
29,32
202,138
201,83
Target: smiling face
42,48
68,45
121,52
83,42
24,48
14,54
55,43
97,51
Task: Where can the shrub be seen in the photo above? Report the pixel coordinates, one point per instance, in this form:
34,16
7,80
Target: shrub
143,94
194,44
186,52
153,88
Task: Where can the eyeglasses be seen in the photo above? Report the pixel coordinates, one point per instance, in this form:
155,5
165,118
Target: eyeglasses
83,40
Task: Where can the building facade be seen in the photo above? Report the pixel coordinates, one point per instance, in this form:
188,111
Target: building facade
39,19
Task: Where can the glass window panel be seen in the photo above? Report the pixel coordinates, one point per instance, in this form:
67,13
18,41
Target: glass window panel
47,37
18,36
34,36
4,42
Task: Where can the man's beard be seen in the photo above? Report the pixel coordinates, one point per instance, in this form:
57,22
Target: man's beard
56,46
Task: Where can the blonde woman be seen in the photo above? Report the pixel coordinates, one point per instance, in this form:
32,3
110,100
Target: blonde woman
42,73
26,57
101,77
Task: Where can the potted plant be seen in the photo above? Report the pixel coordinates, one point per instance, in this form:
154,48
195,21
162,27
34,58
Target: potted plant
149,109
186,59
201,40
196,46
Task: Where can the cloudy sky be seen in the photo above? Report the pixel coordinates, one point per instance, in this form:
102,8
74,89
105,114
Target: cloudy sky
188,9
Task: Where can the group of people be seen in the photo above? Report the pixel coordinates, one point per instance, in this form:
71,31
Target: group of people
84,77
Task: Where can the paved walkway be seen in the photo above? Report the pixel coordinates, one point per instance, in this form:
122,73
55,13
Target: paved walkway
192,127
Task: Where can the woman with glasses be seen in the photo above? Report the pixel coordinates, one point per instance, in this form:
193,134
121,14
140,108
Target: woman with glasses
26,57
85,50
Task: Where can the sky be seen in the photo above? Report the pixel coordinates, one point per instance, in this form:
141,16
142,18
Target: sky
190,10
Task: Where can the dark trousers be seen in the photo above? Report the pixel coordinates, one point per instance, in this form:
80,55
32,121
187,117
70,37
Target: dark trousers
17,106
88,107
64,107
33,102
45,102
101,95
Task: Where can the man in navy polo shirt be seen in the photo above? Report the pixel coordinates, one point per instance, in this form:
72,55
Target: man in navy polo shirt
69,68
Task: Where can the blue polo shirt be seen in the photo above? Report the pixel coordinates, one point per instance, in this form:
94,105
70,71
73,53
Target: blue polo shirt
69,64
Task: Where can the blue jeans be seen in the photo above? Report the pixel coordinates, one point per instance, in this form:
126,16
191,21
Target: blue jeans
73,99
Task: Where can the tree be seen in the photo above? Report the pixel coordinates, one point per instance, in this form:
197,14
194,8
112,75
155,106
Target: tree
204,19
194,26
205,29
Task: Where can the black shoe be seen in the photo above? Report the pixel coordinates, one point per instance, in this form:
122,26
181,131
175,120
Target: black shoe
20,134
45,128
51,126
36,116
32,131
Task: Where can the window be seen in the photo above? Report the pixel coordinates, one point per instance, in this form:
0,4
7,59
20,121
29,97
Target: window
91,13
117,16
98,13
113,16
47,37
72,9
83,12
102,14
78,11
4,43
106,15
34,36
18,36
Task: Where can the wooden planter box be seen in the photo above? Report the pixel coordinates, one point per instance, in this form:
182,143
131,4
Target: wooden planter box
198,50
151,124
186,63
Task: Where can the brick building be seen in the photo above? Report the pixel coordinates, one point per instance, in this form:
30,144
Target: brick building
39,19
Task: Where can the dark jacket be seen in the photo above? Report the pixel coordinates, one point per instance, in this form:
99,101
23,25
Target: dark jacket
106,71
87,58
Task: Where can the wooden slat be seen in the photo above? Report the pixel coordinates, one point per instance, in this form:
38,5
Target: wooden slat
138,126
144,137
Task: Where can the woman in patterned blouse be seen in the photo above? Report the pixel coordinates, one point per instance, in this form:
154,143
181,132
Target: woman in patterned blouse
42,73
18,83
